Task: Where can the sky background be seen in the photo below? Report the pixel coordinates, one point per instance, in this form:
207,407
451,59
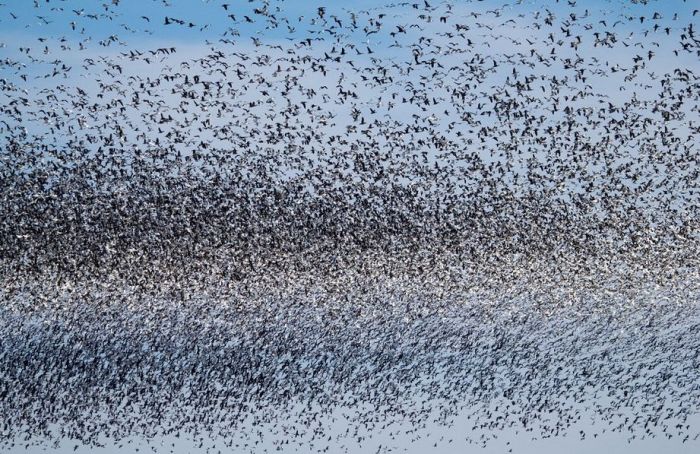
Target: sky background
435,438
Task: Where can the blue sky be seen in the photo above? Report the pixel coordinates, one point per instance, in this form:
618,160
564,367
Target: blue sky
31,20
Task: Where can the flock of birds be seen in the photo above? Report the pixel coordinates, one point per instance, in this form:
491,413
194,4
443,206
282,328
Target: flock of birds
243,214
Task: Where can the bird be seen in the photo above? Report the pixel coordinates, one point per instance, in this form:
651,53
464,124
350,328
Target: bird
396,217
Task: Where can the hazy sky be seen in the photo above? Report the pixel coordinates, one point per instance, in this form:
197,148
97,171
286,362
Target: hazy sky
435,439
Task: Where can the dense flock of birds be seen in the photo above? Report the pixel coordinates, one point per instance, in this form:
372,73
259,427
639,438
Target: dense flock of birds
217,216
